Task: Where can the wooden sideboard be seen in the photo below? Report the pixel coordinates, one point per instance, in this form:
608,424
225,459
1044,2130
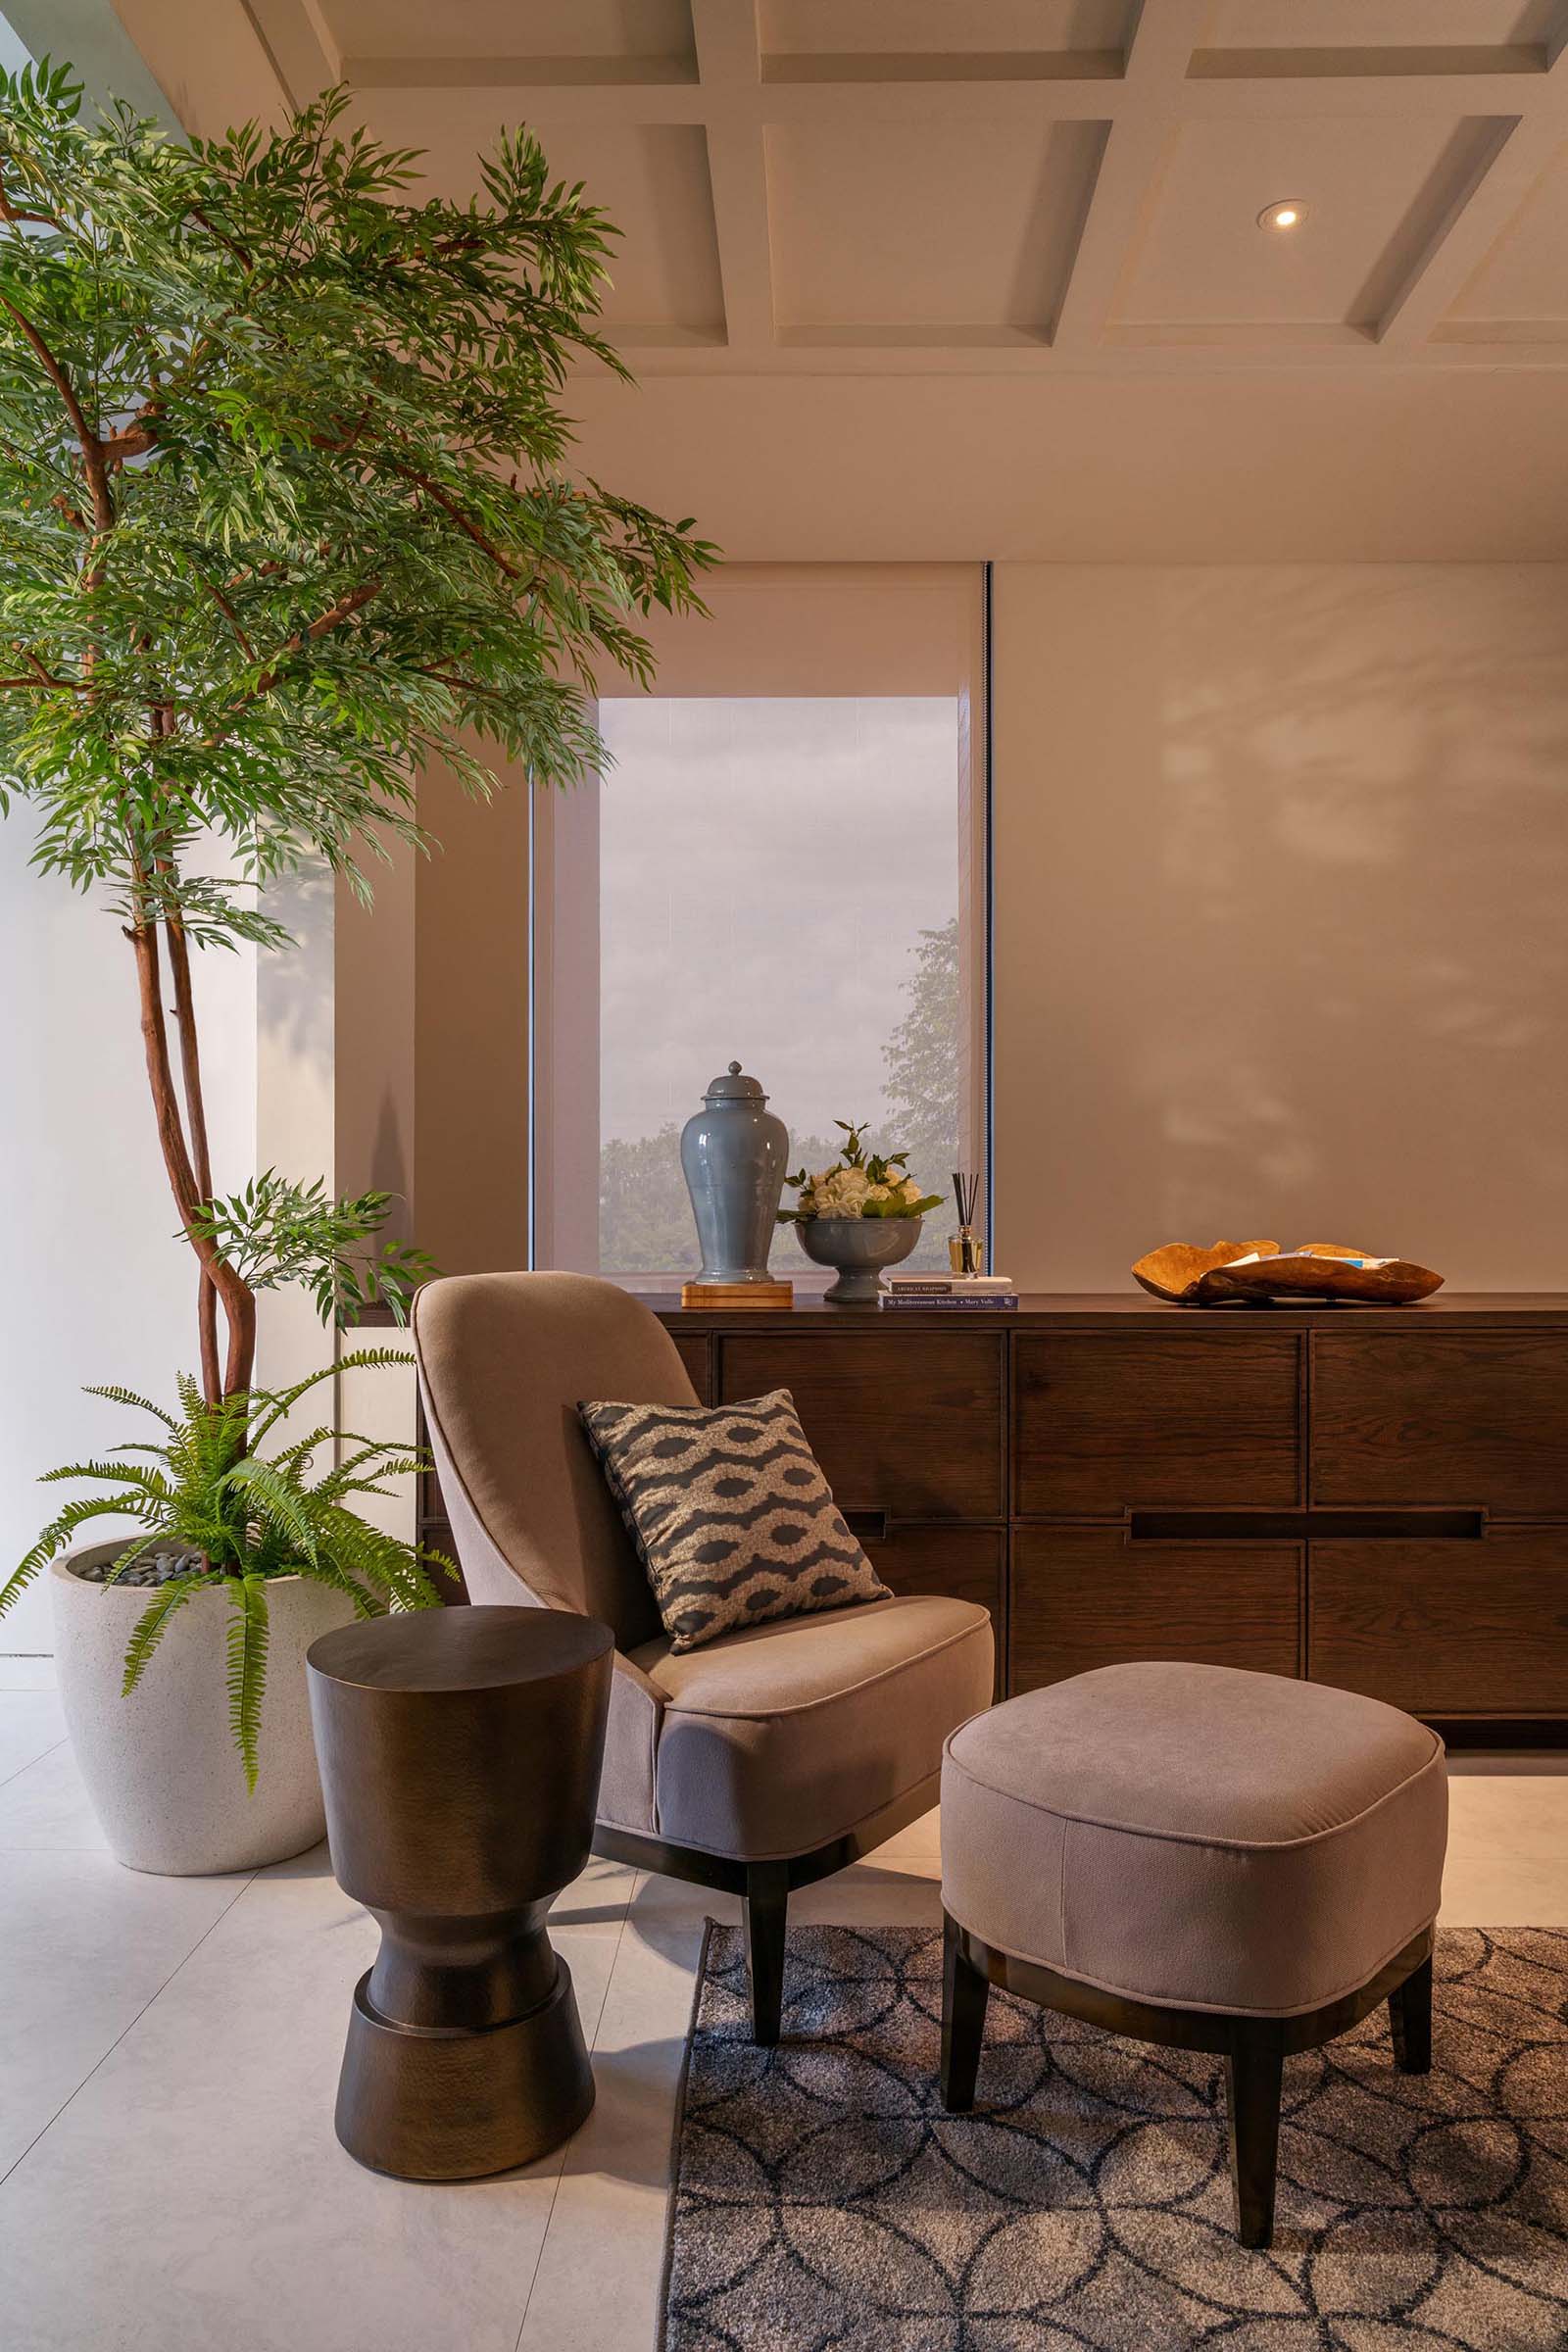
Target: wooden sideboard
1371,1496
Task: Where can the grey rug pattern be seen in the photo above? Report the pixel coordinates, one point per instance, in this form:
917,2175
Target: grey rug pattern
825,2202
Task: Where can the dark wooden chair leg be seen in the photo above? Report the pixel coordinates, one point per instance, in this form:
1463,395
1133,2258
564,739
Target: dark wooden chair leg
1410,2021
767,1909
1253,2079
965,1991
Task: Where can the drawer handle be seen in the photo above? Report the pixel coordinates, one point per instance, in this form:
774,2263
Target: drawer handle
1306,1527
868,1523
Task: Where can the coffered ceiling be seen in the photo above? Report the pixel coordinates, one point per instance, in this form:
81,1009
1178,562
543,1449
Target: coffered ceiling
1030,186
946,277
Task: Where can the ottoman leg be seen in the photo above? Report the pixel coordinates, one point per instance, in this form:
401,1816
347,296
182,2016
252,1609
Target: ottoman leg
1410,2021
1252,2076
965,1992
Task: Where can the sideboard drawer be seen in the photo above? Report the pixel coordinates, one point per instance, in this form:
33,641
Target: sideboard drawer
1445,1628
912,1430
958,1563
1442,1415
1086,1597
1190,1420
695,1352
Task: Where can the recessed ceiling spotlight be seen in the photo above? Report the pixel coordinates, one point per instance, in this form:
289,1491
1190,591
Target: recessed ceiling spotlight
1286,215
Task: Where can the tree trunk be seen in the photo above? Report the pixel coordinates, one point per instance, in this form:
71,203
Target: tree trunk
233,1292
201,1155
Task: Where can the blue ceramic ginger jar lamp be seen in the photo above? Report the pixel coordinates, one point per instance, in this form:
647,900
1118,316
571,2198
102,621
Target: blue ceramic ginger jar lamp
733,1154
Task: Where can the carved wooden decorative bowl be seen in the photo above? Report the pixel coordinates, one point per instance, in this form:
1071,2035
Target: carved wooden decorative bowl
1321,1270
1176,1271
1187,1275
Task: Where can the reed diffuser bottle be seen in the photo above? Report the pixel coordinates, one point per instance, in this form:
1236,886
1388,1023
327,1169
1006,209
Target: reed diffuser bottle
966,1251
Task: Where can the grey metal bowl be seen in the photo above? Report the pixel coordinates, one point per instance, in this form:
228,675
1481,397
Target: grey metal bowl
859,1248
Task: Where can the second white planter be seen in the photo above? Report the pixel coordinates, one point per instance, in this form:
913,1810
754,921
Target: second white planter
161,1766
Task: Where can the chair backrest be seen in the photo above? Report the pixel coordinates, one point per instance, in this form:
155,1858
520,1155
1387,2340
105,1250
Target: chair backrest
505,1359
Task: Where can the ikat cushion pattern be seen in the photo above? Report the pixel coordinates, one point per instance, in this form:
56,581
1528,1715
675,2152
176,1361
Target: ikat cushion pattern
730,1513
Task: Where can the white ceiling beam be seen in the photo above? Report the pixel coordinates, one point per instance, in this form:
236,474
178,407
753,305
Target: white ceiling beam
1475,221
1339,351
262,57
215,75
516,83
729,68
300,42
1141,127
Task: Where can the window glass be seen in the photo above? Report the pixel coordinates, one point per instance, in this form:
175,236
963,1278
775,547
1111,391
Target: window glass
778,886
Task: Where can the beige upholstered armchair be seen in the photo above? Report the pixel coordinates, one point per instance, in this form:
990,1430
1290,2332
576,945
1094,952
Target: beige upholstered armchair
760,1762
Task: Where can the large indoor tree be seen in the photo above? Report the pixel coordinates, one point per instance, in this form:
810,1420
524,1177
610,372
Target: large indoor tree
286,512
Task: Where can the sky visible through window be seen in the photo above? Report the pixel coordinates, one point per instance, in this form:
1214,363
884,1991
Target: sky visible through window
768,869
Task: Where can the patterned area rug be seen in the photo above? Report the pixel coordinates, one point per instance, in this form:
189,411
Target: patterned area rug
825,2203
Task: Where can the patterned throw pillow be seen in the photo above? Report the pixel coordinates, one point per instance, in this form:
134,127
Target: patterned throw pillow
730,1513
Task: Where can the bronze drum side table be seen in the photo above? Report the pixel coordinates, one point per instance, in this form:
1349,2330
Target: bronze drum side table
459,1753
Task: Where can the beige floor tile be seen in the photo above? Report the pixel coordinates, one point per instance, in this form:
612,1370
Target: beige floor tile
922,1838
598,1900
26,1673
85,1946
30,1725
193,2195
1508,1862
45,1807
597,2285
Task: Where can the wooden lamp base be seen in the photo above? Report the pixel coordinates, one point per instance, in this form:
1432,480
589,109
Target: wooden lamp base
737,1294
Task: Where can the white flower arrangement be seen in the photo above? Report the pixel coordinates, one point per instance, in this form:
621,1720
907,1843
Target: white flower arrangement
863,1184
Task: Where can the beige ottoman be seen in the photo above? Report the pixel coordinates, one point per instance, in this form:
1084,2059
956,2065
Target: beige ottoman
1185,1854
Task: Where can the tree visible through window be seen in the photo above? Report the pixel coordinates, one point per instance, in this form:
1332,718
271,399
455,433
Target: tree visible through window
778,885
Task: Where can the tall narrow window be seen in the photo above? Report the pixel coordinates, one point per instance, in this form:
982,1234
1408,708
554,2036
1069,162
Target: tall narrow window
782,869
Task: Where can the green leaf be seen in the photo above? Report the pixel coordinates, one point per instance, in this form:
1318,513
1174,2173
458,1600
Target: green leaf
151,1626
246,1639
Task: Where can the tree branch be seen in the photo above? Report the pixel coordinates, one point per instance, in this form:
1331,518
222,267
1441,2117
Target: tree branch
227,610
242,252
196,1120
133,440
12,214
92,456
465,522
447,678
239,1303
324,622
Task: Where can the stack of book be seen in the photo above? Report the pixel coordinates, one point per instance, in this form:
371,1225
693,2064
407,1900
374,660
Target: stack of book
965,1292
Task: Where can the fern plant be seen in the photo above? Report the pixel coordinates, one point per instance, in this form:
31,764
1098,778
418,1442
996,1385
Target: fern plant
205,1487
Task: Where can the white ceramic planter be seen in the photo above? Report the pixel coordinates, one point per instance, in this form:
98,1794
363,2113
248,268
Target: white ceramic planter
161,1766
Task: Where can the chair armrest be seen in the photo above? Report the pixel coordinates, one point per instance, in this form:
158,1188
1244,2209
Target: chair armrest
632,1745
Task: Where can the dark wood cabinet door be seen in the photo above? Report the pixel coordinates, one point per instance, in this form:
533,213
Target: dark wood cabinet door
904,1422
1188,1420
695,1352
959,1563
1438,1414
1445,1628
1087,1596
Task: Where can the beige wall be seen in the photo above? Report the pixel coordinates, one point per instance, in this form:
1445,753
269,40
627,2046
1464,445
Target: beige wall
431,1031
1282,914
1281,860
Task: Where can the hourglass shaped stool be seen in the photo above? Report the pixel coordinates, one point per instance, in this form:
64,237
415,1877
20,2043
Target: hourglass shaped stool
459,1753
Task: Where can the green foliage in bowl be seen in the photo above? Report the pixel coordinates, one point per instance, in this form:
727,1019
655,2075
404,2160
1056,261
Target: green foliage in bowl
859,1184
